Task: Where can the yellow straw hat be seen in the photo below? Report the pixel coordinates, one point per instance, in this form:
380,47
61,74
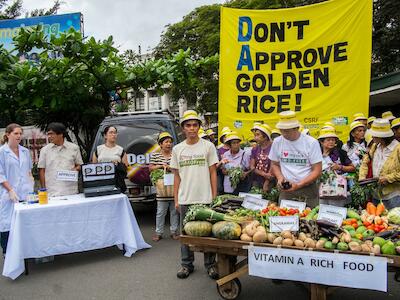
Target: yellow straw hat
328,127
210,132
329,124
396,123
371,119
356,124
202,133
388,115
381,128
164,135
327,133
275,131
359,116
263,128
232,136
287,120
190,115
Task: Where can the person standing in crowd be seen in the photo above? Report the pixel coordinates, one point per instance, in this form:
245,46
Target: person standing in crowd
396,128
333,158
195,182
203,135
369,122
16,179
161,160
259,160
111,152
275,133
356,146
384,159
235,158
58,155
296,161
211,135
388,115
223,147
360,118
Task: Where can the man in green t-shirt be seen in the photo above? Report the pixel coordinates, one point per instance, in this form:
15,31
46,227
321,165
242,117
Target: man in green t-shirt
194,164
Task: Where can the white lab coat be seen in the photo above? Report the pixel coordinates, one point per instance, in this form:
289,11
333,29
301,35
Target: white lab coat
17,172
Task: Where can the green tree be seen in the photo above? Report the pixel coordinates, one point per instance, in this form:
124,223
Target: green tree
14,9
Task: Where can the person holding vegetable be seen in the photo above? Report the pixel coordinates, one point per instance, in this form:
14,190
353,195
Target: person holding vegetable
296,161
237,166
259,159
384,159
160,160
356,146
195,182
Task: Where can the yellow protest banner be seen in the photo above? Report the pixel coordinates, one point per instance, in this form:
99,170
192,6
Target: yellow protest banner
312,59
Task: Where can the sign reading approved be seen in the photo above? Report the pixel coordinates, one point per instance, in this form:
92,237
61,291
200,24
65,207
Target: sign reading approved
347,270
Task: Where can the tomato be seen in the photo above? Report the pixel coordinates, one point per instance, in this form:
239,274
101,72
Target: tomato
371,227
355,225
366,223
354,221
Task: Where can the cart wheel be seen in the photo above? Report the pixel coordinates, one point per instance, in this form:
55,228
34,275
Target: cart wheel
230,290
397,276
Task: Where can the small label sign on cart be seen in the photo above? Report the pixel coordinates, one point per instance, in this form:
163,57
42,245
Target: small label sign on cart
331,217
333,210
279,224
333,269
293,204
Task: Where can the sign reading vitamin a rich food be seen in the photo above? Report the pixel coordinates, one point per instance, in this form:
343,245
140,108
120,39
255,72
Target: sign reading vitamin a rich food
314,60
333,269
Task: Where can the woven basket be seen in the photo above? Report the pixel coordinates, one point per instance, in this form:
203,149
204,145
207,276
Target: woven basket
164,191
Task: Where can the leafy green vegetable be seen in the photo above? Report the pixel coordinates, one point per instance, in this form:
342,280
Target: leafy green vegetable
360,194
200,212
394,215
235,175
272,195
156,175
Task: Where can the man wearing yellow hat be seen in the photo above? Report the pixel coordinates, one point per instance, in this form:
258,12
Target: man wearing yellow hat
195,182
296,161
211,136
384,158
396,128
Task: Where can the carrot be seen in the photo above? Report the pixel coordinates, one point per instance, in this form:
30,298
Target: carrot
380,209
371,208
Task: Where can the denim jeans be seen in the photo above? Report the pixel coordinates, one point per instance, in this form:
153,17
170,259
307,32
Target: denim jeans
4,240
162,209
389,203
187,256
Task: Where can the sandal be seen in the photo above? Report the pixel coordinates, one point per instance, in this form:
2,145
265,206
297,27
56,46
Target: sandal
213,273
156,238
184,272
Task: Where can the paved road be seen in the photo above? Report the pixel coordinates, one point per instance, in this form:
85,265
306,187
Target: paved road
149,274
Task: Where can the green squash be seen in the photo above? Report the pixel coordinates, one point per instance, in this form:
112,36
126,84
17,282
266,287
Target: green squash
198,228
225,230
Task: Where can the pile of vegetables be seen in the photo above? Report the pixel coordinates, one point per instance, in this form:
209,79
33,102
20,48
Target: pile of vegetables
373,230
227,203
156,175
235,174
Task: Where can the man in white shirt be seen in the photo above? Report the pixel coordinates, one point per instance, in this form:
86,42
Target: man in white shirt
59,155
296,161
195,182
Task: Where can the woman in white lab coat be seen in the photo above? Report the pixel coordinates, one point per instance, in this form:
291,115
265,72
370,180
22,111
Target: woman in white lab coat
15,177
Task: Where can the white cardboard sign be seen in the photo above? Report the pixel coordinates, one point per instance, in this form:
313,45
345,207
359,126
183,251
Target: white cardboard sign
243,195
333,269
331,217
293,204
279,224
168,179
333,210
254,203
67,175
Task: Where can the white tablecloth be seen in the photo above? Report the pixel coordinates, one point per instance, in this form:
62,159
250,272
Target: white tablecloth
70,224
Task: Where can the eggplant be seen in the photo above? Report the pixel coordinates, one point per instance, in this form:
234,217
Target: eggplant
386,234
326,224
395,234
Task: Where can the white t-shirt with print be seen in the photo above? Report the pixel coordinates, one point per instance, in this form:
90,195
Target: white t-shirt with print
296,157
193,162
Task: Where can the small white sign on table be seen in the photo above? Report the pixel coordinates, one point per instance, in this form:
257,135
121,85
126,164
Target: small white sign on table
333,210
279,224
333,269
331,217
293,204
243,195
66,175
254,203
